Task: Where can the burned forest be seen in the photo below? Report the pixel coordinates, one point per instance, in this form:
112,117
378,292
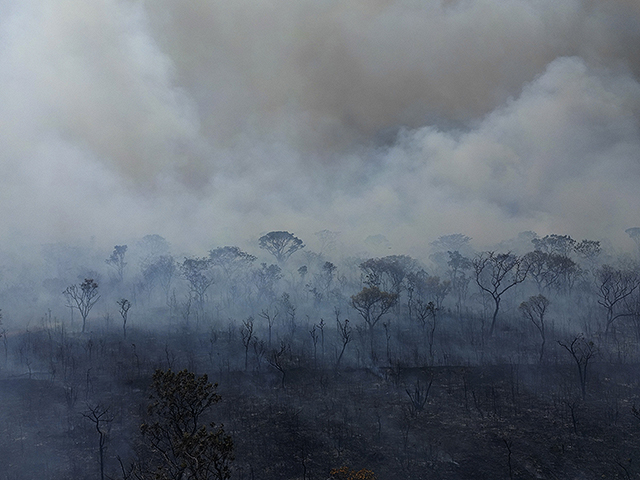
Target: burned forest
516,362
319,239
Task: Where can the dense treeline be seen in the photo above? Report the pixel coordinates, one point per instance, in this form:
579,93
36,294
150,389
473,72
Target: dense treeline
518,361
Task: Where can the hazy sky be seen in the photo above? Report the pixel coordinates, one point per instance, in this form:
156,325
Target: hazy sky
209,121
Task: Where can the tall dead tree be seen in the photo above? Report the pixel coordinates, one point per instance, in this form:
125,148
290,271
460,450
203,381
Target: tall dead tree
495,274
83,297
534,310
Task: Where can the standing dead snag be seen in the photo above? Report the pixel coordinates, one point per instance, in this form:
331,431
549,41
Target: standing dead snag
613,288
277,360
124,305
101,418
344,330
582,351
246,332
270,318
534,310
509,443
83,297
496,273
418,397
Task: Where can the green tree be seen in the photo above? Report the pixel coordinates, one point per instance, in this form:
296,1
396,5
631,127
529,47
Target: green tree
181,446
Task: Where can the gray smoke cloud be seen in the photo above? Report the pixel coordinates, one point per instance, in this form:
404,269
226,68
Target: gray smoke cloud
212,121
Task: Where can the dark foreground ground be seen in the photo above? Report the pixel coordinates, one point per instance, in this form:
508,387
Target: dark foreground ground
443,422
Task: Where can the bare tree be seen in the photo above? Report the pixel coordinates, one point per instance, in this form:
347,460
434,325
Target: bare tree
124,305
83,297
314,339
552,270
246,332
534,310
613,287
418,397
277,360
3,335
426,312
101,418
495,274
345,334
582,351
270,318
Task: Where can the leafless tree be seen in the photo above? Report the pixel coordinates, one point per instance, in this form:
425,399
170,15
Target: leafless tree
3,335
614,286
314,339
101,418
270,317
124,305
582,351
418,397
495,274
534,310
277,361
246,332
345,334
83,297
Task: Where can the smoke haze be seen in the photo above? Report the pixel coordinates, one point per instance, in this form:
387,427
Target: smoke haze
211,121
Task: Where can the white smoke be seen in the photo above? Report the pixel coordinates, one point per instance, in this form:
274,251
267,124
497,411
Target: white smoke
211,121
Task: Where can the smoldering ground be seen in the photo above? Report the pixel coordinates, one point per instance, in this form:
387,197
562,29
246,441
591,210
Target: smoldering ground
209,121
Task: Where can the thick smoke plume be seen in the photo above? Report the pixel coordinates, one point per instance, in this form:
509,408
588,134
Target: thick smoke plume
210,121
